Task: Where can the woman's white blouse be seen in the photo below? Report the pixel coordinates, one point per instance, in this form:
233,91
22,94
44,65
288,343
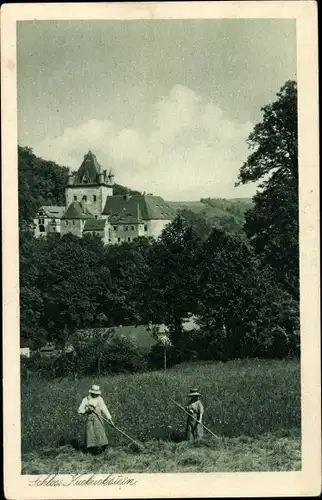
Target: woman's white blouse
97,403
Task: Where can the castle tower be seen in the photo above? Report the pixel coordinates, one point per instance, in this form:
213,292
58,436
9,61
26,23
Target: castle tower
90,184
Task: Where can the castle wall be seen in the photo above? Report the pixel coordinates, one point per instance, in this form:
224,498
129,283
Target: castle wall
41,226
95,206
73,226
47,225
104,234
127,232
54,227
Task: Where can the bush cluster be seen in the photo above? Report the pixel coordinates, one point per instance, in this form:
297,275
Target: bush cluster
120,356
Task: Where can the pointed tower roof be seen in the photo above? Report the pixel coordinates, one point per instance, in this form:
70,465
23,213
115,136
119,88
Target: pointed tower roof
88,171
77,211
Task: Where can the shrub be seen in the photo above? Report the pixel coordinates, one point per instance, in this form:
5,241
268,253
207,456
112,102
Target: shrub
155,358
42,366
122,355
113,355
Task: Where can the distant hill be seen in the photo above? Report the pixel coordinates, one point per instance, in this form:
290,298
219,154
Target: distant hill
228,214
235,205
194,206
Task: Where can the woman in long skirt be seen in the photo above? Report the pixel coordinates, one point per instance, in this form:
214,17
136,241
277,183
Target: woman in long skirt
94,408
194,430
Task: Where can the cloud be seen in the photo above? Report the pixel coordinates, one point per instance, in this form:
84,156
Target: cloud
191,150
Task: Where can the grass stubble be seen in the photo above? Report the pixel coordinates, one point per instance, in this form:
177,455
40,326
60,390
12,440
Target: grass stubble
252,405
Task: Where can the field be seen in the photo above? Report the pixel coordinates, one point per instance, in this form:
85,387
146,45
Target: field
138,334
253,406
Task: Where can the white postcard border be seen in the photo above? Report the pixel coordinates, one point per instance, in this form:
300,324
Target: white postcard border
308,481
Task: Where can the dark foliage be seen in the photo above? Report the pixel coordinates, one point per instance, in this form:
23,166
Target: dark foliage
243,286
272,223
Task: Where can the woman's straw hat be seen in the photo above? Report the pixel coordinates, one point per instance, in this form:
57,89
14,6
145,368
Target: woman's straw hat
95,389
194,392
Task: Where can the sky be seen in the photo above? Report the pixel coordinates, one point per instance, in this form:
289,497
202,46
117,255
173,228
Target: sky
168,104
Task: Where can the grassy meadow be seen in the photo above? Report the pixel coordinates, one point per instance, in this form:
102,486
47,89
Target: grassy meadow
253,406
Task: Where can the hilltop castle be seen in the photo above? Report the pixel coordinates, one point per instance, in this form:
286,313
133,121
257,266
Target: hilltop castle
91,208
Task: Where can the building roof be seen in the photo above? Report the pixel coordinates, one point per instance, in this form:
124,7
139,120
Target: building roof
53,211
129,209
88,171
76,211
95,225
91,172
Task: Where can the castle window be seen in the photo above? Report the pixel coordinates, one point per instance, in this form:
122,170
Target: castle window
126,228
118,239
132,227
54,221
75,197
145,228
73,223
42,228
54,229
115,228
85,197
66,223
94,197
95,216
129,239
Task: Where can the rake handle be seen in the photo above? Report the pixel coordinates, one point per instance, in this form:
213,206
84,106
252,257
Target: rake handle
200,423
119,430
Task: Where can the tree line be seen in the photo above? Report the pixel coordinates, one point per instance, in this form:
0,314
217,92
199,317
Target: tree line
242,285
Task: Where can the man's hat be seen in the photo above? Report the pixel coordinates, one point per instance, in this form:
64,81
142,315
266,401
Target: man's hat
194,392
95,389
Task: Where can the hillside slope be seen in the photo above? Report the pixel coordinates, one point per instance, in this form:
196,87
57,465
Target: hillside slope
209,212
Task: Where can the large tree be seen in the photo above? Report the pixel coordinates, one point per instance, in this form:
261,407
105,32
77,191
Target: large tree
272,223
171,293
75,284
31,253
242,310
129,268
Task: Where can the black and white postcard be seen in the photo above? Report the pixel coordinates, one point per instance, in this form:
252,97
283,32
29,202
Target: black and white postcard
160,187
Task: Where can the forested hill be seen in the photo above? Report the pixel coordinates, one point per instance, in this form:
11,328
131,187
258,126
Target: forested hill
43,182
209,212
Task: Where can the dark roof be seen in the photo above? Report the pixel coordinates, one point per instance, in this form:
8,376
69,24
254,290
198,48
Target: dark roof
95,225
89,170
136,208
76,211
